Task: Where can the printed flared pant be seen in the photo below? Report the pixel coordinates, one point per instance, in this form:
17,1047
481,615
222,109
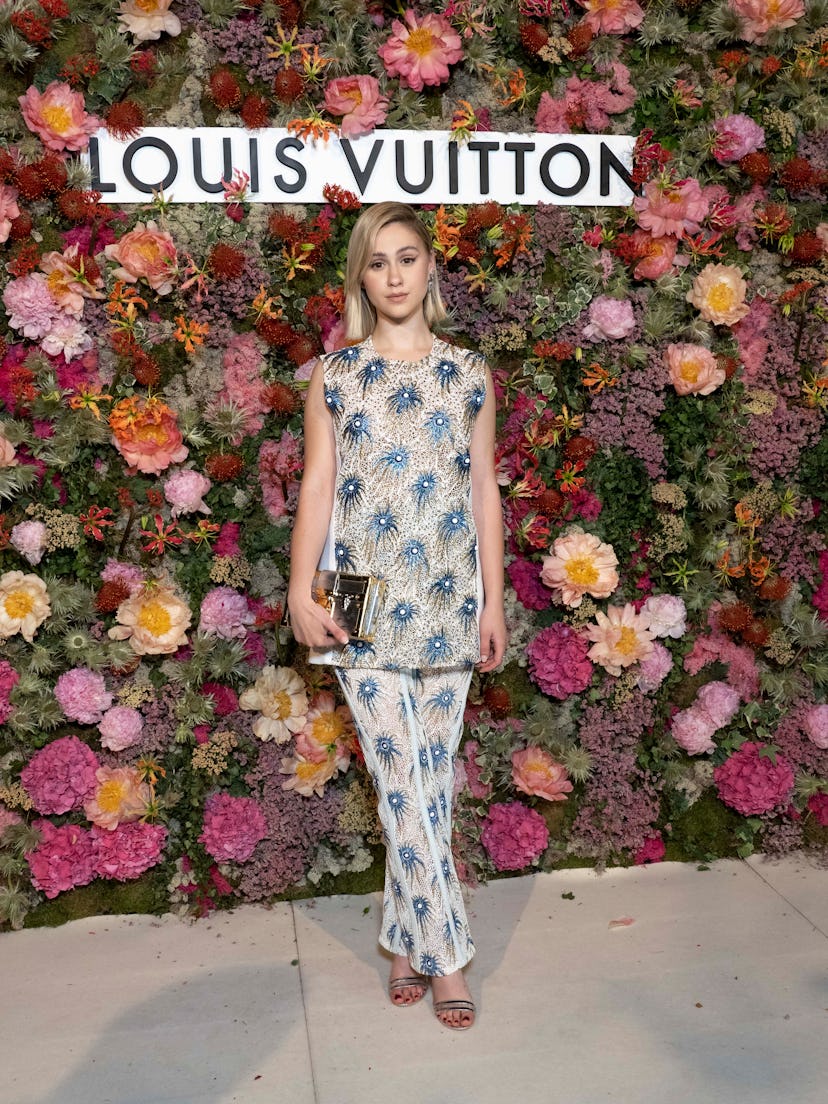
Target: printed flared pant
409,724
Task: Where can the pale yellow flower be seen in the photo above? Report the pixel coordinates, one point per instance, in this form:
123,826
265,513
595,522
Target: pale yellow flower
718,293
308,777
120,796
580,564
24,604
154,620
279,695
620,638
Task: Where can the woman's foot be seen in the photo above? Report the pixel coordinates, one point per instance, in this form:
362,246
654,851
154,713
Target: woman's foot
453,1005
403,986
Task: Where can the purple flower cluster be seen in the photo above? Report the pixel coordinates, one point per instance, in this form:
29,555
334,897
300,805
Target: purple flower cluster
778,439
624,416
789,542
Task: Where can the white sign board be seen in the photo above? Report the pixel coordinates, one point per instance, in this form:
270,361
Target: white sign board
417,166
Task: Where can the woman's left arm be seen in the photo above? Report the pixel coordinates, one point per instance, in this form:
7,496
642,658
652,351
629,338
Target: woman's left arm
488,520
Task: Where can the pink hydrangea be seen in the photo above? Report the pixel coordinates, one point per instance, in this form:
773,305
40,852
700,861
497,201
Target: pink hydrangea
674,210
82,695
815,725
127,851
818,805
232,827
120,728
420,50
9,678
736,136
30,305
61,776
58,117
587,105
63,859
524,576
243,362
609,318
225,613
654,668
558,661
185,492
478,789
225,699
651,851
359,101
667,614
30,539
279,464
514,835
753,783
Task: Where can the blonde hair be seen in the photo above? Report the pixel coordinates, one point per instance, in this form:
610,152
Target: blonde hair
360,316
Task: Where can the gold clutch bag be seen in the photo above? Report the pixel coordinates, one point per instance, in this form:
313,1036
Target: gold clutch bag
353,601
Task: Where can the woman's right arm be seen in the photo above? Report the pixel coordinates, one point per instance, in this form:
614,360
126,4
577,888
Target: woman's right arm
311,624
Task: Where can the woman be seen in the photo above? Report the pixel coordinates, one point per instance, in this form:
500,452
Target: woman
399,482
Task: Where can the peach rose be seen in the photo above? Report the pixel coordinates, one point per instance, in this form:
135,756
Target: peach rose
718,293
693,369
58,117
535,772
145,253
154,621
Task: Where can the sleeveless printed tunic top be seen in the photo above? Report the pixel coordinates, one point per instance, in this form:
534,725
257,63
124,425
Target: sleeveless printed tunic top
402,505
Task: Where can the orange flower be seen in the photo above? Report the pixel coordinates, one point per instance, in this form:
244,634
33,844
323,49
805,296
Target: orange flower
446,234
146,433
313,127
596,378
190,333
121,796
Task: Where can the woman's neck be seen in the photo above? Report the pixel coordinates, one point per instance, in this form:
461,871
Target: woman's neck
404,342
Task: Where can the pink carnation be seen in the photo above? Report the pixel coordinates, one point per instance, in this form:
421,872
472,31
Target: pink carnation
654,668
753,783
82,695
63,859
185,492
736,136
358,100
225,613
514,835
609,318
818,805
127,851
30,306
30,539
693,730
58,117
652,850
420,50
61,776
612,16
558,661
243,362
9,210
815,725
225,699
9,678
524,576
674,210
120,728
232,827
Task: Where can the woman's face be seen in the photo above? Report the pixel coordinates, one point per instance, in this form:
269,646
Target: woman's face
396,279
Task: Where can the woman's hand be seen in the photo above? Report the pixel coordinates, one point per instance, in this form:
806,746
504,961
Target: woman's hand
492,639
313,626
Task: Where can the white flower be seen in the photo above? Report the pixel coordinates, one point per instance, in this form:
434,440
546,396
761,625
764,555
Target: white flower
667,614
280,696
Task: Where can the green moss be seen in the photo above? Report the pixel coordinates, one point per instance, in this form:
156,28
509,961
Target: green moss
144,895
707,830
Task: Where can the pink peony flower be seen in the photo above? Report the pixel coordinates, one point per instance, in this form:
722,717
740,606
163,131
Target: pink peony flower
30,538
68,283
753,783
119,795
609,318
61,775
719,702
514,835
587,104
128,850
614,17
67,338
654,668
147,434
651,851
82,695
693,370
358,100
130,575
280,462
815,725
30,305
667,614
736,136
580,564
761,16
63,859
537,773
693,730
558,661
145,253
8,456
660,257
147,20
185,490
818,805
232,827
58,117
9,210
620,637
225,613
671,210
420,50
120,727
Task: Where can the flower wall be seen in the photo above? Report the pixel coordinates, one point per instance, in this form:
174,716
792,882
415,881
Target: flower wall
662,388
